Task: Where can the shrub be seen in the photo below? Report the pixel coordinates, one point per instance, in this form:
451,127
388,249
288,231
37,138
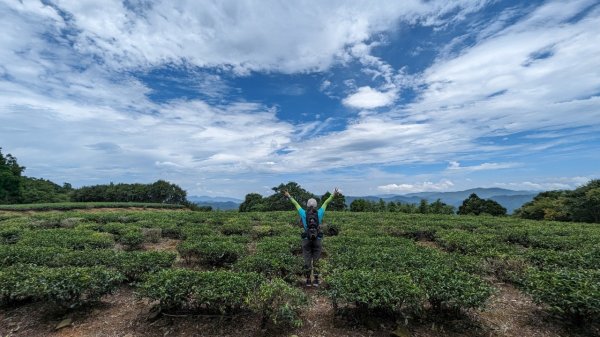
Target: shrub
131,264
152,234
212,250
368,289
279,303
65,286
214,291
10,235
66,238
574,294
451,290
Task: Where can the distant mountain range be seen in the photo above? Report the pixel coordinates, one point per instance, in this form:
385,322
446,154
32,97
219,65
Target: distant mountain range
221,203
510,199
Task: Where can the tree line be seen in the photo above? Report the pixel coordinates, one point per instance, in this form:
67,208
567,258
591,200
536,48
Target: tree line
254,202
15,188
581,204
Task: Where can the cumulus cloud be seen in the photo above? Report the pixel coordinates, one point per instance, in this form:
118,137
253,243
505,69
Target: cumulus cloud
369,98
442,185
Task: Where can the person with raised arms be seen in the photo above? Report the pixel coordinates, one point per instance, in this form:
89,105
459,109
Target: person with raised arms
312,235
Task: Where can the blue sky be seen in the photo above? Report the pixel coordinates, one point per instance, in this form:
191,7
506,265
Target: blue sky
225,98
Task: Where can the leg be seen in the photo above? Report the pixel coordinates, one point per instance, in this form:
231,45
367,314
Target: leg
316,255
307,254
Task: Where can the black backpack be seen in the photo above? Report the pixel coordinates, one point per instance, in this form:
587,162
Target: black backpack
312,224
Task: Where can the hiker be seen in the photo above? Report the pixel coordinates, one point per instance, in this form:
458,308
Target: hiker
312,235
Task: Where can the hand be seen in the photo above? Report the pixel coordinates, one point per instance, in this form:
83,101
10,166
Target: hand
335,191
286,193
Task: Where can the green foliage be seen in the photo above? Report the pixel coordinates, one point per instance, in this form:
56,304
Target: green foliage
279,303
436,207
214,291
277,201
273,259
550,205
369,289
10,179
581,204
338,203
158,192
474,205
66,238
212,250
65,286
584,202
451,290
574,294
131,264
64,206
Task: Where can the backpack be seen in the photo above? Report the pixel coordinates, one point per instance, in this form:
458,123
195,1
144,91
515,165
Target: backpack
313,225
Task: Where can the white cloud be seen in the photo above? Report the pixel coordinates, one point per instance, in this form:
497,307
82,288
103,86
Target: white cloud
547,184
442,185
369,98
454,166
242,36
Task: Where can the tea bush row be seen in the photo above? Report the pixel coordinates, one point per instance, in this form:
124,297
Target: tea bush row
64,286
225,292
133,265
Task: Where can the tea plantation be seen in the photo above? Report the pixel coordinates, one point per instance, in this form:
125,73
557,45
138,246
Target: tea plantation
227,263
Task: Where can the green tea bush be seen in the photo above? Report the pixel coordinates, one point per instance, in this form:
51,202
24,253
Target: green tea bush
66,238
214,291
211,250
10,234
573,293
132,239
381,290
450,290
279,303
133,265
272,265
235,227
65,286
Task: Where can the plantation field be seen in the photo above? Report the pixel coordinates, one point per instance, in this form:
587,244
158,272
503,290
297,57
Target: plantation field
183,273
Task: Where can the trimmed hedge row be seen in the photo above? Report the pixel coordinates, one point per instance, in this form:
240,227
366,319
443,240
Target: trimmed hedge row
66,238
133,265
274,259
572,293
64,286
215,251
225,292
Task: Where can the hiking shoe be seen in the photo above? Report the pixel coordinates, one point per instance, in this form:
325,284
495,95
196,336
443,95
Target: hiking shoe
308,284
316,282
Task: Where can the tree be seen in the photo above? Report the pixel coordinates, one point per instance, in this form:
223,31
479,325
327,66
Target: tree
10,179
423,207
438,207
252,202
549,205
338,203
360,205
475,206
278,201
584,202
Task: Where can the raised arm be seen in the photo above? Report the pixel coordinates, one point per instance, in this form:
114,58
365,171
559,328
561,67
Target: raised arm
326,202
296,204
